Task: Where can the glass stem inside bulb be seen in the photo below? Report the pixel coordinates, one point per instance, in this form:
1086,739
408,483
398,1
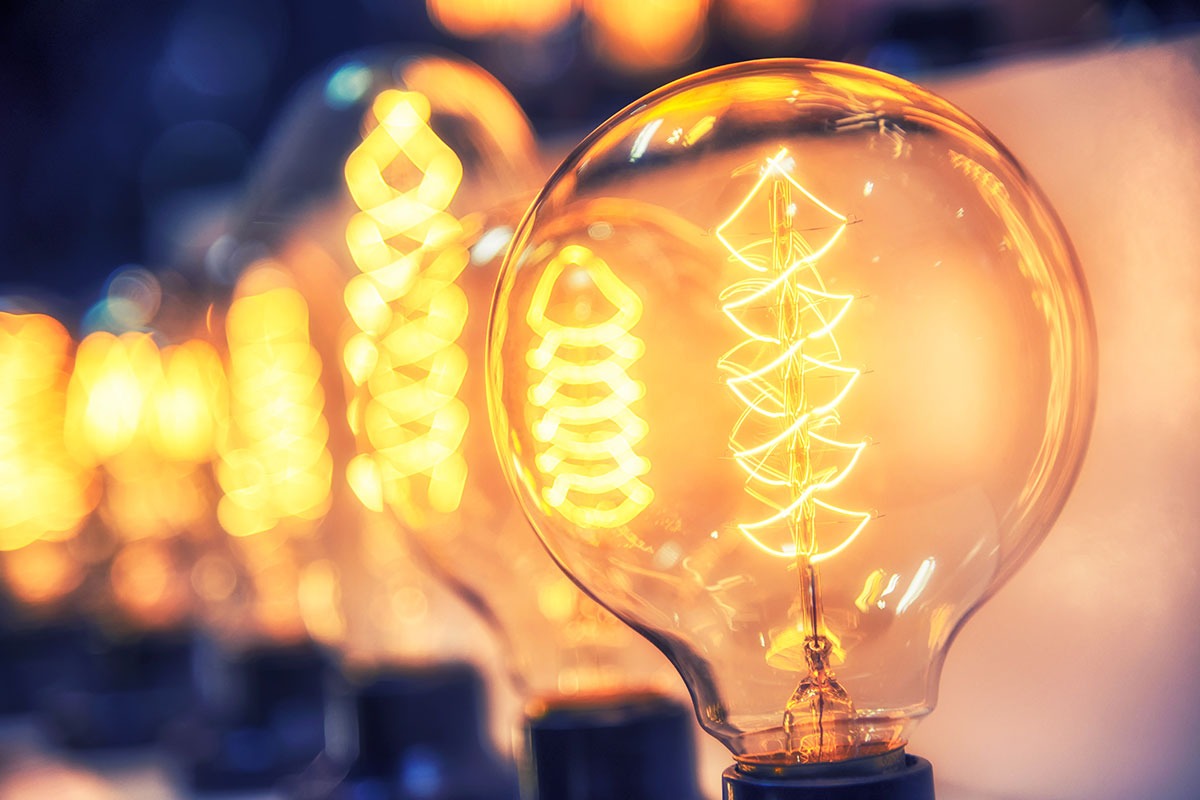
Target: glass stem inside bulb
811,719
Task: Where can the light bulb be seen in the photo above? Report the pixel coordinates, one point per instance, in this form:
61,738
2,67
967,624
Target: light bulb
797,459
380,152
47,495
427,264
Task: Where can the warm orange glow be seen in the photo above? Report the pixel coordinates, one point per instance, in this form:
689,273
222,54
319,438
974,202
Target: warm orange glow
190,404
41,572
149,418
410,313
274,467
783,440
587,428
147,584
767,21
472,19
646,35
111,387
44,492
320,601
788,377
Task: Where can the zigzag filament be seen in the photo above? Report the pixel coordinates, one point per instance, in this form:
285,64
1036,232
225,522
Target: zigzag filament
754,375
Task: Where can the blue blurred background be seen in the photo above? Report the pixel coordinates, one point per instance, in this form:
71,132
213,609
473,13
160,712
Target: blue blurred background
127,124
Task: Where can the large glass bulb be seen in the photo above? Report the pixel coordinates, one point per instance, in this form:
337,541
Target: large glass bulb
808,413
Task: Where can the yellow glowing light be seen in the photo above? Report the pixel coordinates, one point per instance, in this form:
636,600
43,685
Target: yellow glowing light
44,492
788,377
406,361
110,390
799,460
146,583
767,21
149,418
587,427
190,404
319,598
41,572
274,466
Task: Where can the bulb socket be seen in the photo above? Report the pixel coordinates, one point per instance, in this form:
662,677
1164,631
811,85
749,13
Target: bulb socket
130,690
900,777
636,747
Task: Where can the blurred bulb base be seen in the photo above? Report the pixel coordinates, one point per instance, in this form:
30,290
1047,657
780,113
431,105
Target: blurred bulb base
908,778
623,748
415,731
264,718
132,690
436,711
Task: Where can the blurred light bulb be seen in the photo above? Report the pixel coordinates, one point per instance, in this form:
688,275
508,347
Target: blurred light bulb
323,219
798,458
275,467
323,207
44,491
426,274
427,256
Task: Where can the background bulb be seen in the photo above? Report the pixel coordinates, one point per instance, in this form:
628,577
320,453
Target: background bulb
798,457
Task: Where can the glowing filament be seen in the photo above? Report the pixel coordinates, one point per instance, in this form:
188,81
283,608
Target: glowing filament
788,377
587,428
44,492
274,464
148,418
787,374
406,359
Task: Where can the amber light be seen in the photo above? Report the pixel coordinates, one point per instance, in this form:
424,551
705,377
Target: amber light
44,491
274,465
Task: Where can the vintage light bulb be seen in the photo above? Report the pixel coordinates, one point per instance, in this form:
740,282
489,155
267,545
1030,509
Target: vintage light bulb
796,463
323,214
427,258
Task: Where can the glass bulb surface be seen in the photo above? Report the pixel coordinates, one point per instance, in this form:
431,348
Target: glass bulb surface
426,453
812,411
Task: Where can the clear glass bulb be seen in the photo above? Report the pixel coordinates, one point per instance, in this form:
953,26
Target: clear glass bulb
426,248
812,409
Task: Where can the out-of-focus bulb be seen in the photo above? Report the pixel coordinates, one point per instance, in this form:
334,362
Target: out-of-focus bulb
427,257
426,276
378,164
46,495
798,460
44,491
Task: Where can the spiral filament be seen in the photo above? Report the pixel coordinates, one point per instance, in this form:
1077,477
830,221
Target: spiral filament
44,492
405,360
587,428
275,467
788,376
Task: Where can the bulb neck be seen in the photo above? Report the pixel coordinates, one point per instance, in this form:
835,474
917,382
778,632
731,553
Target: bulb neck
894,775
